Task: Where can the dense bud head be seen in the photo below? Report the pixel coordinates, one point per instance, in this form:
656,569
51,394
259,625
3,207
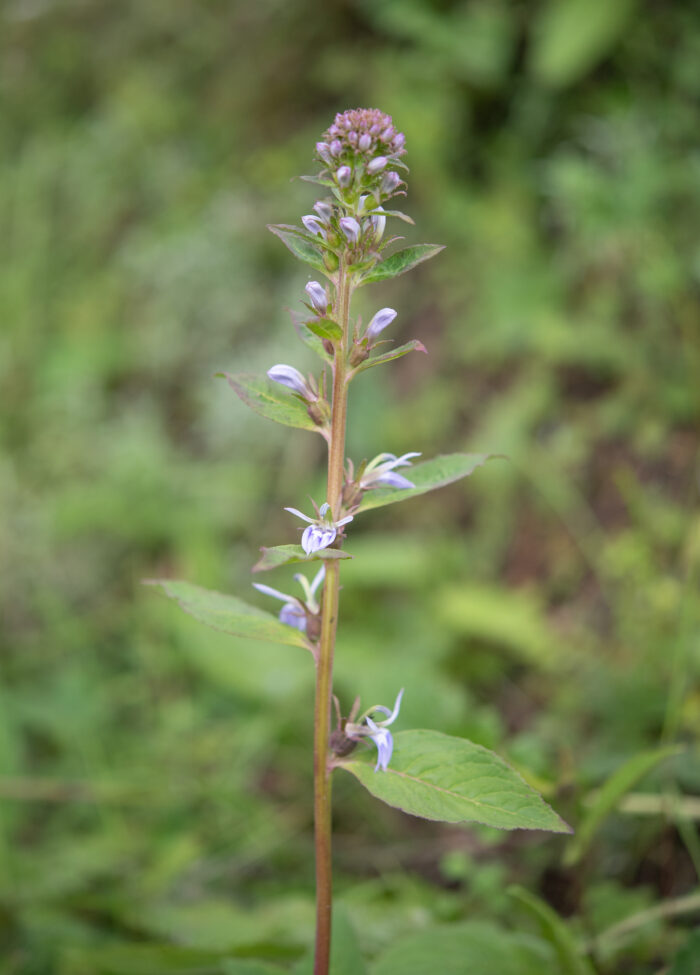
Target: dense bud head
363,132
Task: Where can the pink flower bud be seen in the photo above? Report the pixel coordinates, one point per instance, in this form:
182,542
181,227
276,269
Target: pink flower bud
336,147
376,165
365,142
390,181
324,210
317,294
350,228
323,150
384,317
344,176
312,225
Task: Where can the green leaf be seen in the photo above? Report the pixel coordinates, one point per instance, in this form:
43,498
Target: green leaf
401,261
452,780
572,36
325,328
302,248
428,476
346,957
274,557
269,400
571,961
229,614
413,346
619,783
476,948
687,960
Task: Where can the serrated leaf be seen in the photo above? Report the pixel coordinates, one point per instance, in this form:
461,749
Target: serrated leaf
401,261
325,328
571,960
274,557
413,346
229,614
474,947
452,780
299,246
428,476
270,400
619,783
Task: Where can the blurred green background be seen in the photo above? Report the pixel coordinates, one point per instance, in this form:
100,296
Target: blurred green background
155,776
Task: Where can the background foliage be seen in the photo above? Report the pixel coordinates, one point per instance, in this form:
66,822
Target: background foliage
155,782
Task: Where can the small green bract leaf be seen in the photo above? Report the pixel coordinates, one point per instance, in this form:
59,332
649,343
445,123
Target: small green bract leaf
401,261
292,238
229,614
413,346
279,555
452,780
428,476
325,328
270,400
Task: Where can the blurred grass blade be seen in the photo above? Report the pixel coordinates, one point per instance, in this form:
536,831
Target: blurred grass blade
571,961
229,614
269,400
452,780
428,476
402,261
277,555
624,779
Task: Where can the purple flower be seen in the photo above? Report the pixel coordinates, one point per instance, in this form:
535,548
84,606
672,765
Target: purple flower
344,176
317,295
390,181
376,165
336,147
295,611
378,221
322,531
365,142
350,228
291,377
384,317
323,150
381,472
324,210
366,727
312,225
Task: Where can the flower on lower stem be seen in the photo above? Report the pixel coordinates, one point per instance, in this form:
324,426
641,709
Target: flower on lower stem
322,530
378,731
381,472
299,613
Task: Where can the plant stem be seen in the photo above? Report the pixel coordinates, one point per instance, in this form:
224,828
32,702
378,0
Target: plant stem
329,622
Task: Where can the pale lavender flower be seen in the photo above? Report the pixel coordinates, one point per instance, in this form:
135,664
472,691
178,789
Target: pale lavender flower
378,731
390,181
324,210
323,149
365,142
336,147
381,472
317,295
350,228
376,165
295,611
384,317
378,221
312,225
344,176
322,531
291,377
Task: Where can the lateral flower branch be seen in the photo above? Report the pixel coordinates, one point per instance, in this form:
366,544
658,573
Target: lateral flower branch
361,169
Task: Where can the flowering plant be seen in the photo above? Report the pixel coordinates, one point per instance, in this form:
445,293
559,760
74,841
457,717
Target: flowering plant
423,772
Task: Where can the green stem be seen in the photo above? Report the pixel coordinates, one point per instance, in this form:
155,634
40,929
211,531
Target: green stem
324,662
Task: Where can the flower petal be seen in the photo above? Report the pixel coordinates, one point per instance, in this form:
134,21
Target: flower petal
299,514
